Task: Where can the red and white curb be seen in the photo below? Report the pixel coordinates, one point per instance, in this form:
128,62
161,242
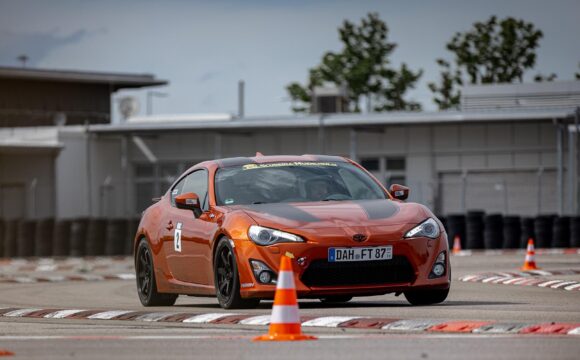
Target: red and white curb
527,278
64,264
63,278
571,251
343,322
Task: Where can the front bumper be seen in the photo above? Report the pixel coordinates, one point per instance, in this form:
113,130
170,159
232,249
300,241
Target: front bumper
419,254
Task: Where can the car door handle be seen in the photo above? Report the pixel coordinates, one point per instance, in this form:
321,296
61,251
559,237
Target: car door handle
169,225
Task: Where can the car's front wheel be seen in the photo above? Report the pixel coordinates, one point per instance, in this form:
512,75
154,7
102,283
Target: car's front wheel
426,297
146,285
227,279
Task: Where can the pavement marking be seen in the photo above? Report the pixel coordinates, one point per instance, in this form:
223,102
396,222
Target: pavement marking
527,278
574,331
61,314
573,287
20,312
206,318
257,320
330,321
108,315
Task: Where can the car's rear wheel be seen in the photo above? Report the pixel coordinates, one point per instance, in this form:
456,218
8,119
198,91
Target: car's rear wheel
146,285
426,297
227,279
335,299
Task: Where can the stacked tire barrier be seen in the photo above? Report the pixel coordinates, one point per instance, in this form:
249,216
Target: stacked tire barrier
478,230
67,237
512,232
474,230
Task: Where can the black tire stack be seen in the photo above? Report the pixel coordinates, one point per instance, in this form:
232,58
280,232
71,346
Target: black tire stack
25,238
456,227
575,232
116,237
95,238
493,231
561,232
43,237
543,229
511,232
528,231
61,238
78,235
474,230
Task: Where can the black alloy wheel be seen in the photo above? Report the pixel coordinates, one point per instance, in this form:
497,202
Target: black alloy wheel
227,280
146,285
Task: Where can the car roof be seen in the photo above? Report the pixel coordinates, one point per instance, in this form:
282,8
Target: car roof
261,159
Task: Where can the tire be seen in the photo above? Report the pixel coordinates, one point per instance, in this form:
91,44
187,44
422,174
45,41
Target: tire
146,284
335,299
227,278
426,297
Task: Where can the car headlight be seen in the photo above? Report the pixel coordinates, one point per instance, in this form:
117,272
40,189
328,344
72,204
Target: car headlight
428,228
265,236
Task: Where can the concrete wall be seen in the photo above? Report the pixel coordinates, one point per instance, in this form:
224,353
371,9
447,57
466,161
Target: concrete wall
27,184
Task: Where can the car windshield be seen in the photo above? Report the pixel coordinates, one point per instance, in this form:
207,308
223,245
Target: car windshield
294,182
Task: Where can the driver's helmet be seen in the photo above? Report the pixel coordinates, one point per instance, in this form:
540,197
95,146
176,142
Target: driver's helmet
318,188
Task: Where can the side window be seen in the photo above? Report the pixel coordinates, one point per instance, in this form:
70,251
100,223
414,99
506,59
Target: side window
196,182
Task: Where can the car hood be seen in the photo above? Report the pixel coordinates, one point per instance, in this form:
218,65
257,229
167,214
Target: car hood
333,214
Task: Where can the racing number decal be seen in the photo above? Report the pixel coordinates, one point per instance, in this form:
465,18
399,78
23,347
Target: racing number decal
177,237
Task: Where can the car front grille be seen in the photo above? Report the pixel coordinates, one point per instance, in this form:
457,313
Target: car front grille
324,273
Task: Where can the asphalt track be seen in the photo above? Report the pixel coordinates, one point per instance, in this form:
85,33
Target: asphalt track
62,338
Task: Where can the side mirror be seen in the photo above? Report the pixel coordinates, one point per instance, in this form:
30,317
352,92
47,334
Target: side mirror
399,192
189,201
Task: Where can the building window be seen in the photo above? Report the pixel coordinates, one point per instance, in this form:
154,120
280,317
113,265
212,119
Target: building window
371,164
396,164
153,180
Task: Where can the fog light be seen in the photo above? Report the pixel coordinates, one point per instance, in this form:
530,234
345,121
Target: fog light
265,277
438,269
262,272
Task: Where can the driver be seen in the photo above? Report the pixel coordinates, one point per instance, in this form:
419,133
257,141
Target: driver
318,189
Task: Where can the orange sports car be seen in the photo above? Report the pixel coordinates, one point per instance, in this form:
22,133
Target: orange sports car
222,227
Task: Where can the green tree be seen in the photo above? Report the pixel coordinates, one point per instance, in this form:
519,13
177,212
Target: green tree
363,66
495,51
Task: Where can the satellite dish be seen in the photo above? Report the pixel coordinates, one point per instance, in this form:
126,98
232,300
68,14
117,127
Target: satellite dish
128,107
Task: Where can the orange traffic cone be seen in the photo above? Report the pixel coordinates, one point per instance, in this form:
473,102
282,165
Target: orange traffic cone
456,245
530,263
6,352
285,322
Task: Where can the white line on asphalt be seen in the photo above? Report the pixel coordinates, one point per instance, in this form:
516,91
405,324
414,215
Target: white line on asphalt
61,314
20,312
329,321
557,286
107,315
572,287
547,283
205,318
256,320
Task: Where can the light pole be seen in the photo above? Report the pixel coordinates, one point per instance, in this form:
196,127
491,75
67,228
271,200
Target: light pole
150,95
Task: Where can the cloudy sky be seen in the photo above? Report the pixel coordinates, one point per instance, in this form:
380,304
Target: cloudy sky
204,47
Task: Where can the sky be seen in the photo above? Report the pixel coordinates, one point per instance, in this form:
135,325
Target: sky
203,48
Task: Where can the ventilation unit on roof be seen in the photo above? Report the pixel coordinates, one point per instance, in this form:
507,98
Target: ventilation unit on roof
329,100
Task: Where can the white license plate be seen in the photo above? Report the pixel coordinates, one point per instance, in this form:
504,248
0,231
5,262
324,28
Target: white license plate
360,253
